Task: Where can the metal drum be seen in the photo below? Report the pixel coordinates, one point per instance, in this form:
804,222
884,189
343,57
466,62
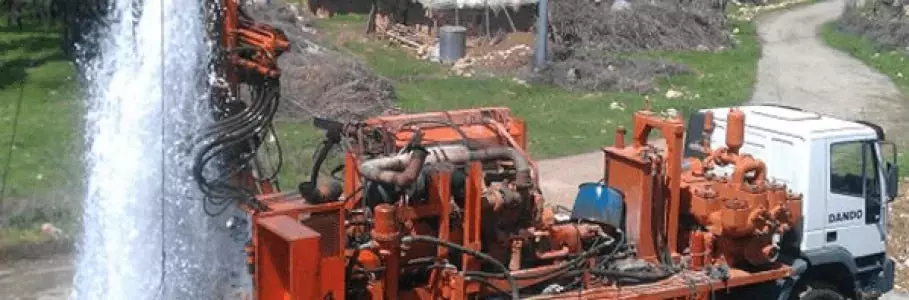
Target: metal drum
596,201
452,43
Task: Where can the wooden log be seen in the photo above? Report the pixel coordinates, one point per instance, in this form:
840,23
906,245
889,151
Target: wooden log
402,39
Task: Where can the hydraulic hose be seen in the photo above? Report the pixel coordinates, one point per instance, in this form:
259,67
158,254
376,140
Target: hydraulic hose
226,138
564,266
515,294
310,189
639,276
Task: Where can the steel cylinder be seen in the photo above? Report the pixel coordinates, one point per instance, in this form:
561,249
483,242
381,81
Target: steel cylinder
708,122
697,250
620,138
386,233
452,43
539,51
735,130
386,227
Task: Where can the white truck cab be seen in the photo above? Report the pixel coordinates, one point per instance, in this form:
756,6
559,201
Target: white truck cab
847,174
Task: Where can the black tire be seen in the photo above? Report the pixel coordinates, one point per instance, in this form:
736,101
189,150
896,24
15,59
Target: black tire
821,294
819,291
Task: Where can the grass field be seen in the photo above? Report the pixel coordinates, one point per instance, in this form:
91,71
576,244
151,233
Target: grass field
41,107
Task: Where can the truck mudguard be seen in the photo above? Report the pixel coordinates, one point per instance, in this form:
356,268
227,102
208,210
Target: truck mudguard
829,255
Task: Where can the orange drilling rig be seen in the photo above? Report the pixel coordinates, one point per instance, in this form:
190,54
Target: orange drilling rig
448,205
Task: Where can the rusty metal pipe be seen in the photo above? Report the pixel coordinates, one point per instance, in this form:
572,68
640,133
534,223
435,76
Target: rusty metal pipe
619,142
387,234
554,254
749,164
500,128
385,169
697,250
523,177
498,197
708,132
708,122
230,23
381,169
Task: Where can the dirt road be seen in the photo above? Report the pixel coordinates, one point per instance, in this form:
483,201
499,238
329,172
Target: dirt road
44,279
798,69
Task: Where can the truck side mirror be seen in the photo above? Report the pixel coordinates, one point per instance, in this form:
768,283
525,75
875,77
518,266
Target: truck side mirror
893,180
891,169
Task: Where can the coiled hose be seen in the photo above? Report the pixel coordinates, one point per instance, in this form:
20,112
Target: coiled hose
228,146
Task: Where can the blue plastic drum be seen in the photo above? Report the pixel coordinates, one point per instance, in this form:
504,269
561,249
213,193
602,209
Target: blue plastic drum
597,201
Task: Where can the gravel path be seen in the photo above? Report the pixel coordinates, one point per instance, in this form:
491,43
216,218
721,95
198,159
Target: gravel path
798,69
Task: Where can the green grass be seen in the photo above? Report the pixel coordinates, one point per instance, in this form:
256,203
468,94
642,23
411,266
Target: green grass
560,122
299,143
44,173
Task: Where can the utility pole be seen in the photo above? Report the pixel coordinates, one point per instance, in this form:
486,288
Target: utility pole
539,55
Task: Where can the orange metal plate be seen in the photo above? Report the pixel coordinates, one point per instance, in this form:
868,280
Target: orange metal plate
286,265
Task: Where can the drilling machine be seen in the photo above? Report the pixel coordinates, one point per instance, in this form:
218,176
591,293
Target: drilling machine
448,205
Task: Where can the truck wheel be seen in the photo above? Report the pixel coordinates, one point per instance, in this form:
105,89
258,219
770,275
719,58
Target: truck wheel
819,291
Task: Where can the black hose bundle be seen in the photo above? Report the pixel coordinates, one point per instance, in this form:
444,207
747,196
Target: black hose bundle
228,146
515,294
605,250
574,267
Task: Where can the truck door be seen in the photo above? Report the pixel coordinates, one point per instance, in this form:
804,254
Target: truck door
854,201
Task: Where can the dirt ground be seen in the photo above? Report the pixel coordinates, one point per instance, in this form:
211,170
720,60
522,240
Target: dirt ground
41,279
